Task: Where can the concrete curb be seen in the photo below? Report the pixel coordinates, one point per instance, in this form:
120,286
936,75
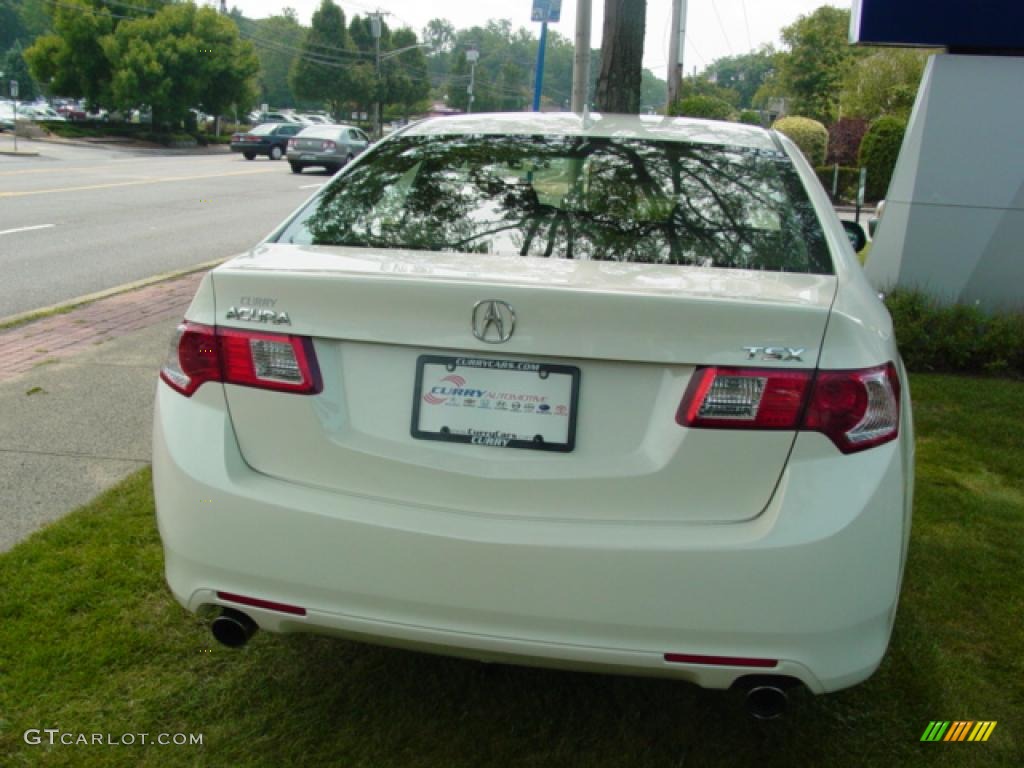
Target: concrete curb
19,153
33,314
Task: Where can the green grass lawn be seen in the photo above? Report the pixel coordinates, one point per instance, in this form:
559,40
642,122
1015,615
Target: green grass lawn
91,641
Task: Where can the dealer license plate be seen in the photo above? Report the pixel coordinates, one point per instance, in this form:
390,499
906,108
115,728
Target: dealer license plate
499,403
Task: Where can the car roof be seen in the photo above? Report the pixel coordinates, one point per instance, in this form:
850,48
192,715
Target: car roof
333,127
652,127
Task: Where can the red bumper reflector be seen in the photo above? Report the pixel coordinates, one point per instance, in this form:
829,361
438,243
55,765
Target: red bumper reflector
255,602
722,661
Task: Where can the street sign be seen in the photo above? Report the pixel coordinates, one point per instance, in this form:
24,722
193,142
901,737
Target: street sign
862,184
546,10
14,89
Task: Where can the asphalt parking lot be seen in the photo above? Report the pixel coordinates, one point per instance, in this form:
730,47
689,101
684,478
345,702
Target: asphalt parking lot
75,220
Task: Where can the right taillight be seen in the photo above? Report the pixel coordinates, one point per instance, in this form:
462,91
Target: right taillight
855,409
277,361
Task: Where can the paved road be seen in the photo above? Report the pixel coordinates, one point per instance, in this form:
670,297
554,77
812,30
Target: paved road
77,220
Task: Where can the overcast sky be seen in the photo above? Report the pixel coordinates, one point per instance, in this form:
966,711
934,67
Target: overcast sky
714,28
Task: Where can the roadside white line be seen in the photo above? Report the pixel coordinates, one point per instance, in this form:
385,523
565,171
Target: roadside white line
310,186
26,229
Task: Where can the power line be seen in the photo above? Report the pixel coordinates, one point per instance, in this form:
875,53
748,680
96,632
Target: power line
746,21
721,26
689,42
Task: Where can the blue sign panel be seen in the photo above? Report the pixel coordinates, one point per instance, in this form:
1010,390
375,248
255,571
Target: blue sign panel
546,10
978,26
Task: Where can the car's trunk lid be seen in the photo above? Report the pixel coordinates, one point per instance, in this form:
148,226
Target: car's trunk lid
635,332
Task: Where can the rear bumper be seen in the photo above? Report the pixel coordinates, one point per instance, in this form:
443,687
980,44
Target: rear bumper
812,582
298,157
258,149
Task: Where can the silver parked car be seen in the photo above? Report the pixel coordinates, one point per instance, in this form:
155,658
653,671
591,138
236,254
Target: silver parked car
326,146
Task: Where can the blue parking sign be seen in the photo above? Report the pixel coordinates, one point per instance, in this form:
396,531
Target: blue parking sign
546,10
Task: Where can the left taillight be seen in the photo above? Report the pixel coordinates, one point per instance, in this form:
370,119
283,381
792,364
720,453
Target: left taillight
855,409
275,361
293,143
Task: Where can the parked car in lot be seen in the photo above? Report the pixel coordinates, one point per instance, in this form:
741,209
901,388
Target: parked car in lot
314,119
71,111
6,115
38,113
325,146
608,393
269,139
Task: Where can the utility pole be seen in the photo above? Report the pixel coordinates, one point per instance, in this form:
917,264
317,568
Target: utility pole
676,42
581,58
472,56
375,29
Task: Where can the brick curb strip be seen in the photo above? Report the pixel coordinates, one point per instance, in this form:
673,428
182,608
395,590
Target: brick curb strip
60,336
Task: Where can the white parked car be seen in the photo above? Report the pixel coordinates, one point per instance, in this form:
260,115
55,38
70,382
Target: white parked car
39,112
606,394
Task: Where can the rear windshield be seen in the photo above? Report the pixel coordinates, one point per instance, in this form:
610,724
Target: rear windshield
320,132
602,199
264,129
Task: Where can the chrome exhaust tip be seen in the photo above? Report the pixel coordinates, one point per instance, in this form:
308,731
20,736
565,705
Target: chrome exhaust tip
233,628
766,702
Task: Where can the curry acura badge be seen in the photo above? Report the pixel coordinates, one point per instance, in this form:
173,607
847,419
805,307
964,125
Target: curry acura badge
493,321
254,315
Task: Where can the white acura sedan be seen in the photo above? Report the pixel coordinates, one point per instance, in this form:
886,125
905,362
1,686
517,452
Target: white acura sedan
604,393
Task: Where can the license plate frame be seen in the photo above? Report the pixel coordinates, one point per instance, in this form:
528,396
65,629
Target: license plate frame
488,370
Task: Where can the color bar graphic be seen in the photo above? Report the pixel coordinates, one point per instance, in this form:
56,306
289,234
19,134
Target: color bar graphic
958,730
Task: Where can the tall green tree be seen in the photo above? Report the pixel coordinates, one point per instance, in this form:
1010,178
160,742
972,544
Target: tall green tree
743,74
15,68
178,58
278,40
818,58
885,82
406,79
323,73
440,33
22,21
622,53
653,92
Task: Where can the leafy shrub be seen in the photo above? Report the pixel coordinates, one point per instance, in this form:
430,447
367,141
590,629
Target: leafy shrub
848,179
878,153
957,338
810,135
750,117
708,107
844,138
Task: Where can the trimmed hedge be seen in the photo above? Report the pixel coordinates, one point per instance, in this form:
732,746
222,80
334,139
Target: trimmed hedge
137,131
707,107
810,135
878,153
848,180
750,117
956,339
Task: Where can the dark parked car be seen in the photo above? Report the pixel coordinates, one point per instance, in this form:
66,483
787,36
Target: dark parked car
327,146
270,139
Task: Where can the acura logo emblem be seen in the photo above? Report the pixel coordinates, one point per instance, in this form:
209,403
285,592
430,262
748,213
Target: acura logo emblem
493,321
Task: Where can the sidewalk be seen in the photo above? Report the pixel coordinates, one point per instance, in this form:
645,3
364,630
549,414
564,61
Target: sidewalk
76,398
